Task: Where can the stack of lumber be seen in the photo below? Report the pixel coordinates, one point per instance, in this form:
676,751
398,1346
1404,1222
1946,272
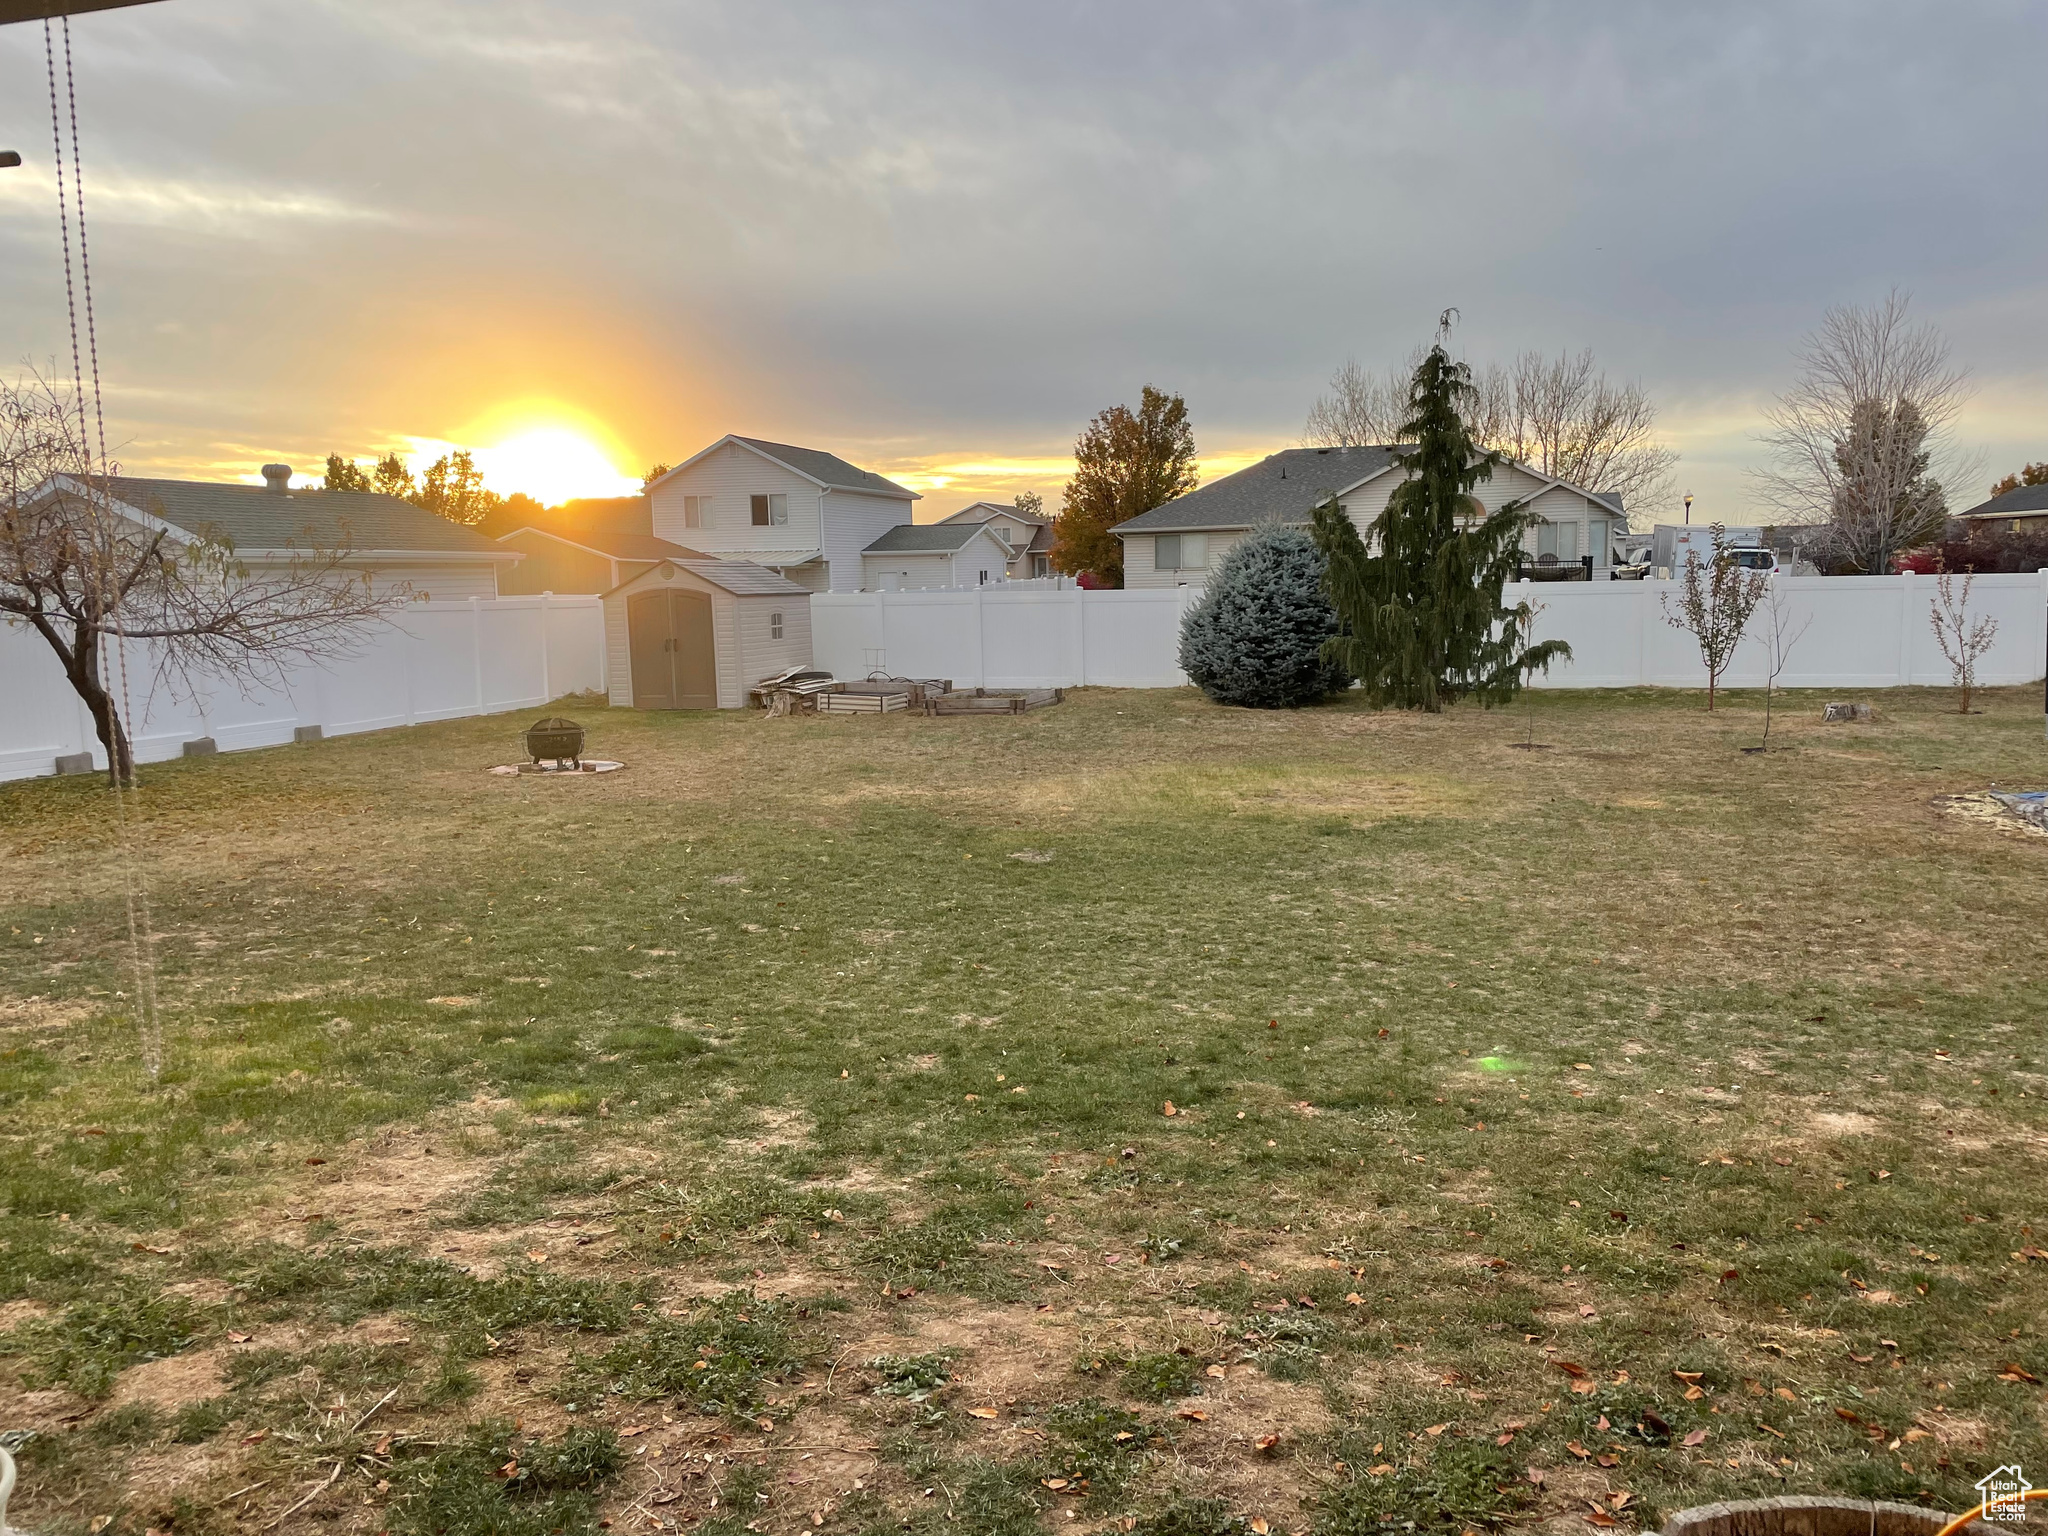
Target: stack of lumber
983,702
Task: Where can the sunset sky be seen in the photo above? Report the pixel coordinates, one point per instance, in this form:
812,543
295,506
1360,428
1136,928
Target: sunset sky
936,238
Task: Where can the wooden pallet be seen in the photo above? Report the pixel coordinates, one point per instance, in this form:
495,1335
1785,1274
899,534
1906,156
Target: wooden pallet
982,702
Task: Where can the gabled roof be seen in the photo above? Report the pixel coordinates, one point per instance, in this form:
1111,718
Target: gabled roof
611,544
985,511
1281,488
1286,486
2028,498
744,579
931,539
254,517
814,464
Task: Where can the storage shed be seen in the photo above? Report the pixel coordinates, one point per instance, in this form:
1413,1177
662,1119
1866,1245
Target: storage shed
696,634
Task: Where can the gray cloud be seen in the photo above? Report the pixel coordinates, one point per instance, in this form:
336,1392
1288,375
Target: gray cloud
933,230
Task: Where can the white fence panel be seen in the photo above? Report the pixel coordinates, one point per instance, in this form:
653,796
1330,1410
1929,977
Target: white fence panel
1858,632
433,661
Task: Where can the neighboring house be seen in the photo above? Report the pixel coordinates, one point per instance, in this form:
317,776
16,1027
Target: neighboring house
391,540
1179,543
2019,511
583,560
1028,535
798,511
697,634
949,554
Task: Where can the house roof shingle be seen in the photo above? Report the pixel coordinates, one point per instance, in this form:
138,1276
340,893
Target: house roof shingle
925,539
1282,488
620,546
827,468
2028,498
985,511
255,517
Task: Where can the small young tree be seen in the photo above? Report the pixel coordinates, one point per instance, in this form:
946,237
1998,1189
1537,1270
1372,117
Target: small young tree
1255,637
1781,633
1963,640
1419,595
90,580
1715,600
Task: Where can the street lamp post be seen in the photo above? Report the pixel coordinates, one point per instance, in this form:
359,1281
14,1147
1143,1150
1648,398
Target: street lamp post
1688,509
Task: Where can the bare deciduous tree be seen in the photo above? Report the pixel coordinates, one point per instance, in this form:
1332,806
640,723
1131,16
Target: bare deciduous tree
1963,640
1865,436
1559,415
103,588
1714,602
1781,633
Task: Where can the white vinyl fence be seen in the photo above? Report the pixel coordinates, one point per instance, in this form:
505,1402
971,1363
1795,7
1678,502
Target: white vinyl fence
433,661
1860,632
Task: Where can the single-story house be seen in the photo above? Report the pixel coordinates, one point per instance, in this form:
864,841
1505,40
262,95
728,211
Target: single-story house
583,560
2024,510
1177,544
1028,534
949,554
390,540
697,634
801,512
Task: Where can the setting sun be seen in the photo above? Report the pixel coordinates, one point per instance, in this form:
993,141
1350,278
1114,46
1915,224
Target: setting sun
552,464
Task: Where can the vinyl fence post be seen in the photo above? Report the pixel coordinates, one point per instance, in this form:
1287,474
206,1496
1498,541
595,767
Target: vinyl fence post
476,647
1908,589
547,676
1081,636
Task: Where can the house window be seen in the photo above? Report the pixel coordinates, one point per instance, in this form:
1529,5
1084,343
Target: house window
1558,540
695,509
1180,552
774,626
770,511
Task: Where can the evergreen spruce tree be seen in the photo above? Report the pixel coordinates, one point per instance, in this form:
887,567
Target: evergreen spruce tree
1419,596
1256,636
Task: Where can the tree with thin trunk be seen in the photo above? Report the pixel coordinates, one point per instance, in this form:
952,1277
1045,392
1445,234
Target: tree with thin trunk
1865,437
1714,603
1781,633
1419,593
1125,463
1561,416
108,589
1963,640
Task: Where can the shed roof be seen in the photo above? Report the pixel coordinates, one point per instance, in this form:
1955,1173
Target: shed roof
254,517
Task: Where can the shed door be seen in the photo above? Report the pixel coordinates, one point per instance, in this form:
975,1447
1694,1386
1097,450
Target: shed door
695,652
650,634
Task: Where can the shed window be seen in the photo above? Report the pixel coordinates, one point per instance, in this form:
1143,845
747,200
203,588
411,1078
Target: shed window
694,510
984,579
774,626
770,511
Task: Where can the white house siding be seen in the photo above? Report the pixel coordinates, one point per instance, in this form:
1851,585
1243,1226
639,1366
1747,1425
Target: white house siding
852,522
1141,575
911,572
729,475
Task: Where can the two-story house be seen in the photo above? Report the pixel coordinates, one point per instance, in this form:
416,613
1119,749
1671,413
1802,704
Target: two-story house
1027,535
801,512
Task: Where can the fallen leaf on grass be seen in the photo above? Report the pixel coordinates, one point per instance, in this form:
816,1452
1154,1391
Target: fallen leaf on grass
1577,1449
239,1338
1505,1437
256,1437
1194,1415
1588,1312
1168,1110
1570,1367
1381,1470
1217,1371
633,1429
1619,1498
1697,1437
1260,1527
983,1413
1600,1517
2016,1372
538,1255
1607,1459
1694,1394
1585,1386
1690,1378
1265,1443
1354,1300
1436,1429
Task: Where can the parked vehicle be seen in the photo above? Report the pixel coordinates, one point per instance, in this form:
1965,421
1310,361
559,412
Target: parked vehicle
1673,544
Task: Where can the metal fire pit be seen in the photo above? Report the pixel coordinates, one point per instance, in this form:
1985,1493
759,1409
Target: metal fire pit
557,740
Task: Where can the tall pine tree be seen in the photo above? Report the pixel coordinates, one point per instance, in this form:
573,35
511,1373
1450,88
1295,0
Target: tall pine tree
1420,594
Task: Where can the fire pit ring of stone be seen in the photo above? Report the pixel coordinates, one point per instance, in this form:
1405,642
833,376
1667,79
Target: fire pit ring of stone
589,765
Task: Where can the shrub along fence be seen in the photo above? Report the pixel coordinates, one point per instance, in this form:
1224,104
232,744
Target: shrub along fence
434,661
1860,632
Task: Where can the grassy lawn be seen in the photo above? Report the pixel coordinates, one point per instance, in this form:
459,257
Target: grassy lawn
1134,1116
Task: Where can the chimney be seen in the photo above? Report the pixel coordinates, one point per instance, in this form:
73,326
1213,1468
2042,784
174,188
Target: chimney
277,478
